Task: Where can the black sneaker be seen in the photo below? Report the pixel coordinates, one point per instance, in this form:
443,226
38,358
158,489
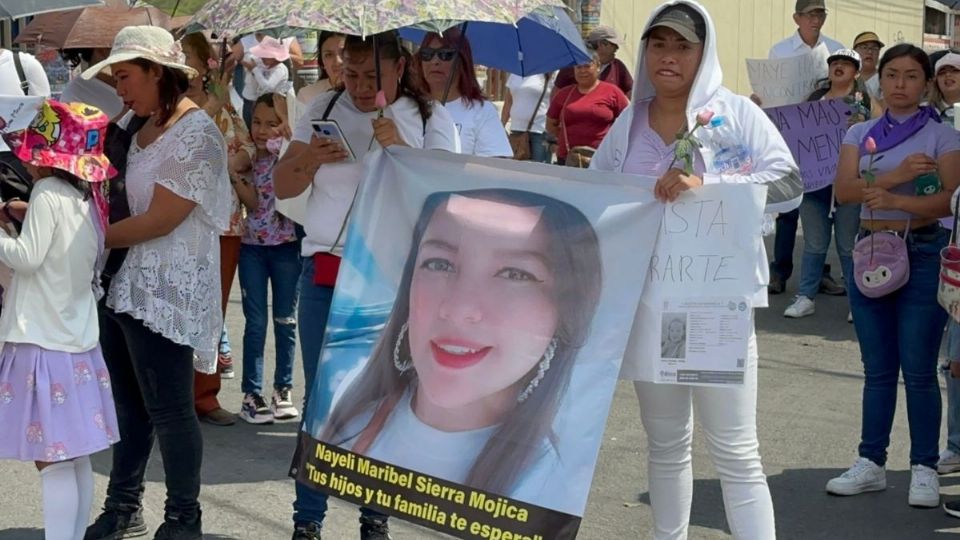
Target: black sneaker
176,529
116,525
307,531
952,508
374,528
776,286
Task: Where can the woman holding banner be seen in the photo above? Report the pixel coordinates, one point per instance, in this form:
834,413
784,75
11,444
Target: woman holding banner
678,84
471,368
407,117
902,167
819,212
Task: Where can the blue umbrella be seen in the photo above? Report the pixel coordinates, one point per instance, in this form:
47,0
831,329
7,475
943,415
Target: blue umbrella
544,41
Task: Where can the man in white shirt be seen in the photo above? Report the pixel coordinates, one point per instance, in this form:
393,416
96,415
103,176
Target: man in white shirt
809,16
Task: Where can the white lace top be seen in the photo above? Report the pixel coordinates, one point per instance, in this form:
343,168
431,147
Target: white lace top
172,283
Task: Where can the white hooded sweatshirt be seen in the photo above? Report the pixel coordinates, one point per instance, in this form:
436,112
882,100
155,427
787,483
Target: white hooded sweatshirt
747,148
759,154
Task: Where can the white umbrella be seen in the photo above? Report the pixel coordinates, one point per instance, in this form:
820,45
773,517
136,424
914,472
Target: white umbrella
15,9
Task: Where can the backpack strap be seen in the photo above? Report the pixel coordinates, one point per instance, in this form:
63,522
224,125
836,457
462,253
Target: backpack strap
333,101
24,84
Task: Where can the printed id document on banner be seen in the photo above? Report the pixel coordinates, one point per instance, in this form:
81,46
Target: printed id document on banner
704,340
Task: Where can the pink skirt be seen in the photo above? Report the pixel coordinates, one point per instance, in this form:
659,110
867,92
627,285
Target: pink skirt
54,405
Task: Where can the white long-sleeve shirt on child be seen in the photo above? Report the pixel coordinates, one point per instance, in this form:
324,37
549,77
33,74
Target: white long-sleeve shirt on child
266,80
50,301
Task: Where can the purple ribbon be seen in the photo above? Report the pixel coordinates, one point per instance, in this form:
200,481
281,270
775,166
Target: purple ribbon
888,132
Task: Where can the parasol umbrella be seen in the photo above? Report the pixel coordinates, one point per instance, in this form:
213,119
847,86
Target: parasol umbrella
90,27
543,41
358,17
14,9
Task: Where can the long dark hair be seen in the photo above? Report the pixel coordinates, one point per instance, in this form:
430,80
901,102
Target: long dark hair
574,253
467,83
172,85
324,36
390,49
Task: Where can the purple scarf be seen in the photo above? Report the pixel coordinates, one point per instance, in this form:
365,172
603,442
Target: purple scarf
888,133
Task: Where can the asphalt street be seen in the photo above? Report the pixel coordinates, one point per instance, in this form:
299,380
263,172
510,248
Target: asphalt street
809,417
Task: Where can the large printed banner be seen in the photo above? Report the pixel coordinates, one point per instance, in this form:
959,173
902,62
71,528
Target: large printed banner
694,321
814,131
477,328
785,81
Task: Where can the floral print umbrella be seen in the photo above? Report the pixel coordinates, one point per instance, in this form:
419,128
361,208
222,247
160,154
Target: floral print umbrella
354,17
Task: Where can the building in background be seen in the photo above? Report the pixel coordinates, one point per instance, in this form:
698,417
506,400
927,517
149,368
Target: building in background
941,24
747,28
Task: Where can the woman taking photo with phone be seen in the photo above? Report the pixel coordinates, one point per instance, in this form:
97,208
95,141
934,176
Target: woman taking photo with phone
407,118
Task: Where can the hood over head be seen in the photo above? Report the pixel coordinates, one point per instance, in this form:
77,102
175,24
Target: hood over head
709,77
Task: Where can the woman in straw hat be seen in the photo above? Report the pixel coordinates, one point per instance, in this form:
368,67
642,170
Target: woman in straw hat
162,314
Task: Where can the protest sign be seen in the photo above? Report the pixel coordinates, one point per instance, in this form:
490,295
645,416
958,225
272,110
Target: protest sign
17,112
785,81
814,131
694,316
474,339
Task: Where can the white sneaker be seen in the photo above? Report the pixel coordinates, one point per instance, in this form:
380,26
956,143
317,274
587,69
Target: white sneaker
864,476
949,462
254,409
924,487
849,316
801,307
282,405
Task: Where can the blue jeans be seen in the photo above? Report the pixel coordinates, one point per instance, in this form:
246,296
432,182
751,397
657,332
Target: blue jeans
280,267
538,147
783,242
224,348
953,388
817,225
902,332
310,506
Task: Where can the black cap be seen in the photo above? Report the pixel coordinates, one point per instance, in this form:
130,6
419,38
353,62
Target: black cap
683,19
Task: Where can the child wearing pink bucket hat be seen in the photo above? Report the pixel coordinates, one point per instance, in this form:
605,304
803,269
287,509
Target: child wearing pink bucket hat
56,405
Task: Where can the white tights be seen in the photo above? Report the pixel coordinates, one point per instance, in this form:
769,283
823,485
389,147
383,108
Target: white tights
67,497
729,420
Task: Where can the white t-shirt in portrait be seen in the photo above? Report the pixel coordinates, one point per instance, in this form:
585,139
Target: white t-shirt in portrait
481,133
525,92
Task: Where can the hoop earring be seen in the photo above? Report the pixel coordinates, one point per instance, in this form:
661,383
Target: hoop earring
401,365
541,371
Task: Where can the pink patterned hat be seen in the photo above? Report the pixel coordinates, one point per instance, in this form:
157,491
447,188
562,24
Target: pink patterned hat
65,136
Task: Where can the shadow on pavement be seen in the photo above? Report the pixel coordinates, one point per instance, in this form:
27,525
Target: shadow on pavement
21,534
253,451
804,511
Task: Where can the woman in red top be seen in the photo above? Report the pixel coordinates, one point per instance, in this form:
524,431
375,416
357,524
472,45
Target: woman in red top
581,114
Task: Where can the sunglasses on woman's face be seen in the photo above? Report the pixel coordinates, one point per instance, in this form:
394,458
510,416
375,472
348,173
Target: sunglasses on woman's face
446,54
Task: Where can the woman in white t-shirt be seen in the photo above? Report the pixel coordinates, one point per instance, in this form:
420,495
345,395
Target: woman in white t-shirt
409,119
331,61
477,120
525,106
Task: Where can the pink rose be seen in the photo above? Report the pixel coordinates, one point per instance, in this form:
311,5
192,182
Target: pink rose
870,145
381,100
212,63
704,117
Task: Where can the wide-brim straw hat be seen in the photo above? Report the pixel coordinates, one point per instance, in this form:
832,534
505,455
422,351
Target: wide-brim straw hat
147,42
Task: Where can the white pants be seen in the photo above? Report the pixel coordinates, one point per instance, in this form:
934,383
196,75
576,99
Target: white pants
729,420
